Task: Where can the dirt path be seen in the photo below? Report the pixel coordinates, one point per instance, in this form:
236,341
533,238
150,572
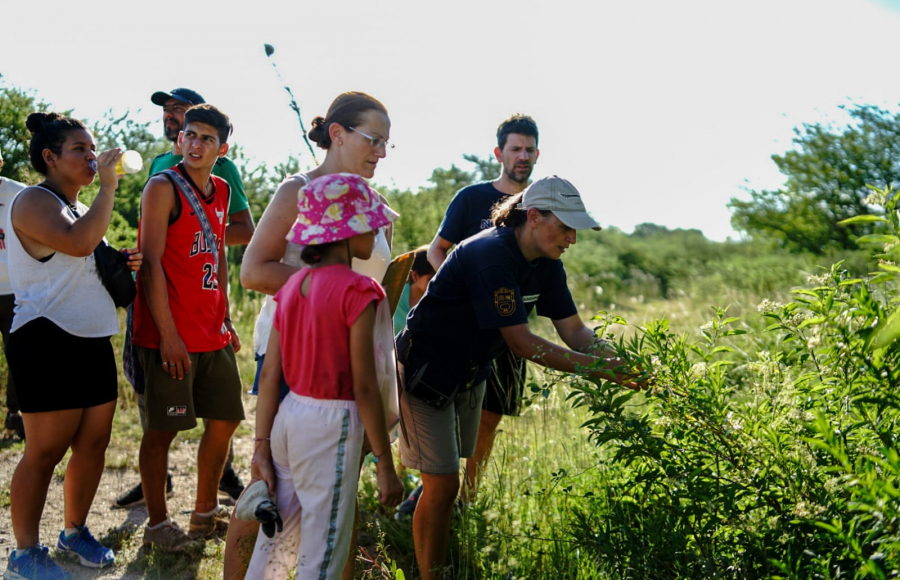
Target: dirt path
121,528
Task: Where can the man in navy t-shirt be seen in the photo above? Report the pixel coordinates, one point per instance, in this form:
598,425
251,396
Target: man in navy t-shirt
468,214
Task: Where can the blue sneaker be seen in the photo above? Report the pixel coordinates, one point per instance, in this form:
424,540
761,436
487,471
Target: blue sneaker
34,564
91,553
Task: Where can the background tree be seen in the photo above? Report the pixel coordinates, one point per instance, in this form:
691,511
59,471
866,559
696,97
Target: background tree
15,106
425,209
827,174
111,131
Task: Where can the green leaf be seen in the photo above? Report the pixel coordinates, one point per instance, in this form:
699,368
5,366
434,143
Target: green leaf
877,239
805,292
734,332
888,333
811,321
622,399
862,219
881,278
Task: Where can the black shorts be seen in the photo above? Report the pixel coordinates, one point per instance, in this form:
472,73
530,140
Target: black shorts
505,386
55,370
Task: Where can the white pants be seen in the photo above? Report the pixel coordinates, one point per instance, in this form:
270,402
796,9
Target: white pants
316,447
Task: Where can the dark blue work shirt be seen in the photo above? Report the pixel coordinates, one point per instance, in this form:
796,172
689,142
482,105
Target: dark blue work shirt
487,284
469,212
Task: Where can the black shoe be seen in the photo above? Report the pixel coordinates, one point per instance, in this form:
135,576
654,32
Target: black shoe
406,509
231,483
135,495
14,423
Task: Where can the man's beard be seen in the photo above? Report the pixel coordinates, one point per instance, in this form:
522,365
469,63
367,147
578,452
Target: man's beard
514,177
171,133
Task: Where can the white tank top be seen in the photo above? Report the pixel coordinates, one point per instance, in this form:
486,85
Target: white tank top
65,290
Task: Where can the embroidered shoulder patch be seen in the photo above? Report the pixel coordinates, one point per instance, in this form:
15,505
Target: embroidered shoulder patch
505,301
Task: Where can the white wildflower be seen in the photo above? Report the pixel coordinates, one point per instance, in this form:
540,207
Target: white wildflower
769,306
734,423
699,370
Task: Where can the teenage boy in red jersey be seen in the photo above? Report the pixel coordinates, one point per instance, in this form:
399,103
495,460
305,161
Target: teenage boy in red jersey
182,328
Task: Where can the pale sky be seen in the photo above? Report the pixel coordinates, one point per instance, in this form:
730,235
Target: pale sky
657,111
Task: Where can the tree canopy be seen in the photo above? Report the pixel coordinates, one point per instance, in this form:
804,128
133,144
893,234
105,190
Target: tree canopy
827,177
15,106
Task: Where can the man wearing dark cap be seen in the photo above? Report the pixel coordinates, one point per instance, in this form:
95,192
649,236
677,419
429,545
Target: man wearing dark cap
240,222
239,230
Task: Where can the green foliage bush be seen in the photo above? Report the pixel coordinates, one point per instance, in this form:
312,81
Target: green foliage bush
777,464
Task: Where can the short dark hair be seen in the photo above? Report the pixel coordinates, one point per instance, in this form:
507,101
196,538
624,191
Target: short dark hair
212,116
313,254
346,110
421,265
48,131
518,124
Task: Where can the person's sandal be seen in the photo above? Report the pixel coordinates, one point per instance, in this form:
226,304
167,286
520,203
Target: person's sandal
211,524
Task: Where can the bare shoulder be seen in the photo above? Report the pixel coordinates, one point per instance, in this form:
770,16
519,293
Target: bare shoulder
285,199
296,180
158,184
36,201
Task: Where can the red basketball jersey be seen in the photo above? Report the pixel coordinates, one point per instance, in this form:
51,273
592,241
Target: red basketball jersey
196,302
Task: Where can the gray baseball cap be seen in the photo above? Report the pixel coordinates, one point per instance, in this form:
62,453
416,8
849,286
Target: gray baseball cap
558,195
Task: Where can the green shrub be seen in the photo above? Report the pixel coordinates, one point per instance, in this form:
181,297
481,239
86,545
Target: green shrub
776,464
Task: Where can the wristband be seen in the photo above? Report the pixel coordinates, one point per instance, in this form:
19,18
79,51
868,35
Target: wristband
377,457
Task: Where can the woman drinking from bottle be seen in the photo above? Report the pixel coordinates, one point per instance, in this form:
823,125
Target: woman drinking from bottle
59,349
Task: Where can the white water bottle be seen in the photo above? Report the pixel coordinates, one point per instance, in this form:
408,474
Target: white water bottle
129,162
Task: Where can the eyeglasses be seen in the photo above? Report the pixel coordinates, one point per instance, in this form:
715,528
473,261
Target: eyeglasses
374,142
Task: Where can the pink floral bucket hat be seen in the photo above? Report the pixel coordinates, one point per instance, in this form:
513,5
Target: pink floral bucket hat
337,207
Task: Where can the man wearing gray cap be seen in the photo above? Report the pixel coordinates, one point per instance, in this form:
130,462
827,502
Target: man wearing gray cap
476,307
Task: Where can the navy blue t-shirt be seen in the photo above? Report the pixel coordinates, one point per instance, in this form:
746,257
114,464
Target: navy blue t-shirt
487,284
469,212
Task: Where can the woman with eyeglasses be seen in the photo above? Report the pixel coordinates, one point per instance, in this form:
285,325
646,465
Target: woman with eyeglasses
354,133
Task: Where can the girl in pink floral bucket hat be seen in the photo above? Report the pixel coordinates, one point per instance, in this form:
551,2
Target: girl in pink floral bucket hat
337,207
308,449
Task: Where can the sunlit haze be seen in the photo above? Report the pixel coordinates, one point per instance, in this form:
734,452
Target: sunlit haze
657,111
